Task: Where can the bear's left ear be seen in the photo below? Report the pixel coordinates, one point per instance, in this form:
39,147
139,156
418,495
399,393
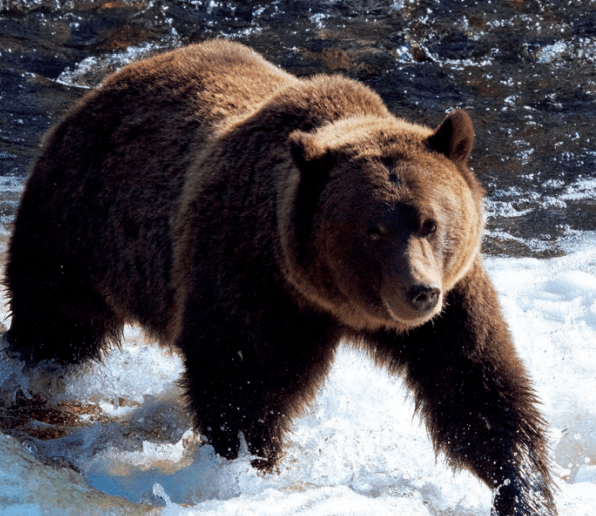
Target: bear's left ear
309,155
454,137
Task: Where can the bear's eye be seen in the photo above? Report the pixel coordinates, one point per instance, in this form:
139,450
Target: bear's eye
374,232
428,228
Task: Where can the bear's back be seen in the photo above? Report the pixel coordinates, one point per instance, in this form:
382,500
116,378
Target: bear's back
212,81
121,157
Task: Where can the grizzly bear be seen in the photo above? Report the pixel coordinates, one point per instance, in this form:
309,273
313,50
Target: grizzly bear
254,220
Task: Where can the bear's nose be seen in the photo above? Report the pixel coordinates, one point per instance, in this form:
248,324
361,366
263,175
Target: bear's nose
424,297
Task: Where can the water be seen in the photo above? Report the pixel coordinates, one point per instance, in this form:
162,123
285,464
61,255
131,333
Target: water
524,70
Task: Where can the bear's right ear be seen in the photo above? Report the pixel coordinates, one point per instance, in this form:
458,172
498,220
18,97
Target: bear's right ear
454,137
311,158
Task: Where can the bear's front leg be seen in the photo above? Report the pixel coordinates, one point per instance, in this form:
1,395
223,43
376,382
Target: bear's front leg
228,396
253,374
474,395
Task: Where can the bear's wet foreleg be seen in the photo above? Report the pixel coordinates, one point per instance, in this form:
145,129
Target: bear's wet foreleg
475,398
222,420
228,399
256,382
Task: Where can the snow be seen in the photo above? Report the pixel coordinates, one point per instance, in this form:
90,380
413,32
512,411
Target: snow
358,450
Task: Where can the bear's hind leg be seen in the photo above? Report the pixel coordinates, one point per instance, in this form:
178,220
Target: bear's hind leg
67,321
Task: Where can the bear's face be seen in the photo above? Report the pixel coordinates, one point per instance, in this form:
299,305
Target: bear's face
395,223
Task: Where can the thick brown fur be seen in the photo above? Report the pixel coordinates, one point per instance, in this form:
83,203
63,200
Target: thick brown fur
254,220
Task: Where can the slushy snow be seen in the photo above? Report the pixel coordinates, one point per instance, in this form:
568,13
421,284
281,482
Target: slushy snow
358,450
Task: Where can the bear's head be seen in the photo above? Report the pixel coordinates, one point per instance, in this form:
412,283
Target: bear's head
379,218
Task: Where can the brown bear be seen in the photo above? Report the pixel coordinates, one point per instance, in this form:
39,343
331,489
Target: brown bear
254,220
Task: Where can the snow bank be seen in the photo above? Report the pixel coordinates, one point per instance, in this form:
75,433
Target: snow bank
357,450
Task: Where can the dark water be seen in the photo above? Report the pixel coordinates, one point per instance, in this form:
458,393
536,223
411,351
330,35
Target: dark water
525,70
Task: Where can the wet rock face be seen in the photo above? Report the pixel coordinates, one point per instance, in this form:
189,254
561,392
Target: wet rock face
523,69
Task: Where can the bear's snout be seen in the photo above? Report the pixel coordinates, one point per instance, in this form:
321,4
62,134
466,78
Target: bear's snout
411,285
413,304
424,298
